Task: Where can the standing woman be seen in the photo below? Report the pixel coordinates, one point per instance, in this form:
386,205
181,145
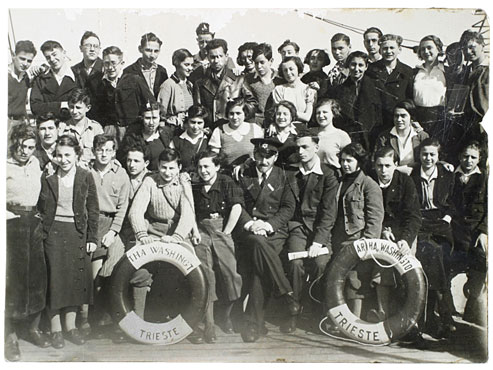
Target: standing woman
175,94
360,214
430,87
70,212
26,269
300,94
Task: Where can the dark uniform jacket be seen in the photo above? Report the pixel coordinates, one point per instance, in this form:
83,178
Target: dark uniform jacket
47,95
81,75
85,203
315,207
161,75
214,96
122,105
274,203
402,207
397,86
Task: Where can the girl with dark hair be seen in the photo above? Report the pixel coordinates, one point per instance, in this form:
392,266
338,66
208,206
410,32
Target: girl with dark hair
218,205
233,138
193,140
316,78
26,268
69,208
360,214
429,87
175,94
361,102
285,129
301,95
245,57
404,138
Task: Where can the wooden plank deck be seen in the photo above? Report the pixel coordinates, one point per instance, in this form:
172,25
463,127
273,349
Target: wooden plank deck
307,344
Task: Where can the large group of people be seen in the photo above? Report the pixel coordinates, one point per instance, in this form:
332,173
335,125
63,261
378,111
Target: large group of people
240,166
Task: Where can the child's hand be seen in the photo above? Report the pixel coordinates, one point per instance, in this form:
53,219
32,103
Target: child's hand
314,85
108,238
146,240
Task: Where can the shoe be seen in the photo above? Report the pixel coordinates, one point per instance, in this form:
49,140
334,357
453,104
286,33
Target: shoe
75,337
289,326
196,337
210,334
118,336
57,340
250,333
375,316
98,332
39,339
228,326
444,331
263,331
85,330
11,350
294,306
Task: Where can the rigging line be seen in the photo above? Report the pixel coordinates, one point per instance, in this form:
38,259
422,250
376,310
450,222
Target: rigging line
351,28
11,26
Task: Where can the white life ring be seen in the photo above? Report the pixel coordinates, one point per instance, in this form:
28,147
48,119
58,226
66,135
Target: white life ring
395,326
158,333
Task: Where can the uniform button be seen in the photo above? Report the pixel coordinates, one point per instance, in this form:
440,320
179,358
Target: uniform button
255,219
254,208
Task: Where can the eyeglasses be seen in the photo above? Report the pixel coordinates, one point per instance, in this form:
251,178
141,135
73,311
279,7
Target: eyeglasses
112,64
91,46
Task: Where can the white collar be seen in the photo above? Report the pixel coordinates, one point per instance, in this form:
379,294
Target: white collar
476,170
433,176
115,81
267,174
66,71
187,137
412,132
384,186
317,168
19,77
243,130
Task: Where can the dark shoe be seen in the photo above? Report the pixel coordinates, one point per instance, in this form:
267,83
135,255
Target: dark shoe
118,336
98,332
210,334
228,326
85,330
75,337
196,337
294,306
249,334
289,326
57,340
39,339
12,352
375,316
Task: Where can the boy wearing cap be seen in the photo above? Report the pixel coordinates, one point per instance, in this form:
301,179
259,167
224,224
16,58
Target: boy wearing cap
269,205
220,84
314,186
146,66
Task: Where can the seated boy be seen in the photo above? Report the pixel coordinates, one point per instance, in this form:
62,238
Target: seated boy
81,127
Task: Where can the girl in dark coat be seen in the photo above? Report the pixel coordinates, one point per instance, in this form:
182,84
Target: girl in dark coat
26,269
69,208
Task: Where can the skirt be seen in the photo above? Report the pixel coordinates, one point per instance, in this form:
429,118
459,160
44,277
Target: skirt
69,267
26,276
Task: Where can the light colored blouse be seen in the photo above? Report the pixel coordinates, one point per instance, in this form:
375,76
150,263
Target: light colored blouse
299,94
430,87
330,143
23,182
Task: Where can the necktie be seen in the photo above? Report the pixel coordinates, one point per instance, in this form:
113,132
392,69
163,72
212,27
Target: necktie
264,179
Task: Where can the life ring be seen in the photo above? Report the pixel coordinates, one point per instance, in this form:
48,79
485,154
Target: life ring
394,327
158,333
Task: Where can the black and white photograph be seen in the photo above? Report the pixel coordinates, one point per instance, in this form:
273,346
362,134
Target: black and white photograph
246,185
